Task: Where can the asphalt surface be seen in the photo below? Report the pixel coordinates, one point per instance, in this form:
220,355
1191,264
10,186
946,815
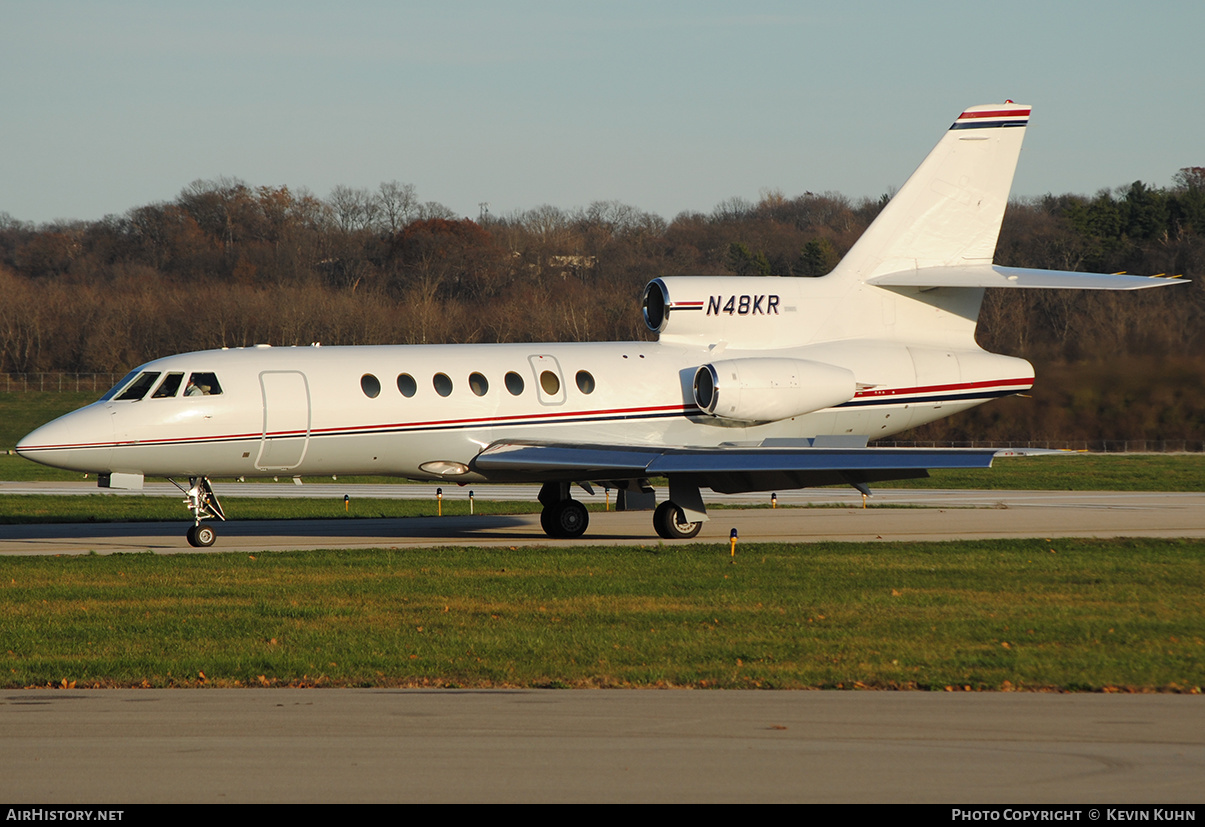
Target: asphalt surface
917,515
310,745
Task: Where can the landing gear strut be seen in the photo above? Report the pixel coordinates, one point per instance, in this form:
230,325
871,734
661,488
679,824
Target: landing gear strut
204,505
563,517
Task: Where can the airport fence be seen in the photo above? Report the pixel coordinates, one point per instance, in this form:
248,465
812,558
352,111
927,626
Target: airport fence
57,382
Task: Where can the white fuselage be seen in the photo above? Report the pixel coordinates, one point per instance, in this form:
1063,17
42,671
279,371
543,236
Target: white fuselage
308,410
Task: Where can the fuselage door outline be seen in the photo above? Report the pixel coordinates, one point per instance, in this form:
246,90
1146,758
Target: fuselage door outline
550,381
287,412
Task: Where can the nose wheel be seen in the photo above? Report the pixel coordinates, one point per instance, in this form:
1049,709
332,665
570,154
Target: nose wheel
201,536
204,505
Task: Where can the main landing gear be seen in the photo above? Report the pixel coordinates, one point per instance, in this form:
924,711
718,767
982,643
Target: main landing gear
204,505
563,517
671,523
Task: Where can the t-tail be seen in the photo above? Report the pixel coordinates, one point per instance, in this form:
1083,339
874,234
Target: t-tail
948,213
916,276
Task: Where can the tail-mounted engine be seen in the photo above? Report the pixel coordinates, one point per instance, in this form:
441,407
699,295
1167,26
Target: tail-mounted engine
769,389
756,311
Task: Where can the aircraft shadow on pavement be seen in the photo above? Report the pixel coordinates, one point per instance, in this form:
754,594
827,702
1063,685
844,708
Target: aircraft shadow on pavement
515,527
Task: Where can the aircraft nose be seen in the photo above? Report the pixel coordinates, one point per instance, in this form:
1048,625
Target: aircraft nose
78,441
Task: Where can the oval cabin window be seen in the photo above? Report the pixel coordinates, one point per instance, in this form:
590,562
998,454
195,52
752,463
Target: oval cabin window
443,385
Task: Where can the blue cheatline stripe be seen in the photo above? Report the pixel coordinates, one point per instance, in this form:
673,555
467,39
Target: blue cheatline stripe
986,124
920,400
397,429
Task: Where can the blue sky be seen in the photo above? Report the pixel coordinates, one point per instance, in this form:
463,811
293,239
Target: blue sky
668,106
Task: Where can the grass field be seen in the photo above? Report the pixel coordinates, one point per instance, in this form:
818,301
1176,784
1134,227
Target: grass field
1026,615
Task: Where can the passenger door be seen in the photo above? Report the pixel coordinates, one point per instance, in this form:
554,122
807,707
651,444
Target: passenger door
286,434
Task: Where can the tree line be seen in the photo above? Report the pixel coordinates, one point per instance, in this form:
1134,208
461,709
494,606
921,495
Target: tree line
226,264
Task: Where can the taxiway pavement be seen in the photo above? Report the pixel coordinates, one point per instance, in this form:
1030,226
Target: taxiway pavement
382,745
915,515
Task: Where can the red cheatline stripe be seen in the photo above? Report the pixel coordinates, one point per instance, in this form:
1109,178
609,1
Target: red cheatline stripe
962,386
549,417
996,113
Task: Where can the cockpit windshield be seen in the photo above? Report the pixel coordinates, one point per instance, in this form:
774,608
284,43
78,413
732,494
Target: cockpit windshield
138,387
111,392
199,384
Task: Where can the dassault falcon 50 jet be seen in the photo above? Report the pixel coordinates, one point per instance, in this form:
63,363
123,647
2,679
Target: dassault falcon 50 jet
753,384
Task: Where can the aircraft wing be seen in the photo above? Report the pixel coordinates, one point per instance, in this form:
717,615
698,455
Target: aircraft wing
728,470
1017,278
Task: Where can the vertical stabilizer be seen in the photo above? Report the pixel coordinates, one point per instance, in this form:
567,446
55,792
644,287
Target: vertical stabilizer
949,212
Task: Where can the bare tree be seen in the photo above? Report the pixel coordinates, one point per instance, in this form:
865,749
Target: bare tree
397,205
354,209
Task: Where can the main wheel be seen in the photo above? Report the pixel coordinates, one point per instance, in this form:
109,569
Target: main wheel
201,536
565,520
671,523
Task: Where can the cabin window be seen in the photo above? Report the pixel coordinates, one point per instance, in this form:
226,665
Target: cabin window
479,384
514,383
168,387
370,385
550,382
202,384
443,385
139,388
406,385
585,382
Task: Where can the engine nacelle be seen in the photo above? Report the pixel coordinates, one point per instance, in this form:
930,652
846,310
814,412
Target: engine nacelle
767,389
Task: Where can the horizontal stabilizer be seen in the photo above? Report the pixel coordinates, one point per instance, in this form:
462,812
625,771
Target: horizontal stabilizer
1017,278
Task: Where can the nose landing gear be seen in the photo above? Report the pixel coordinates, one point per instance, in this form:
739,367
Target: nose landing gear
204,505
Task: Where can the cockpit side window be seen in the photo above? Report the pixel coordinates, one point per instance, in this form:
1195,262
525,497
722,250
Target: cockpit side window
139,387
168,387
109,394
203,384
